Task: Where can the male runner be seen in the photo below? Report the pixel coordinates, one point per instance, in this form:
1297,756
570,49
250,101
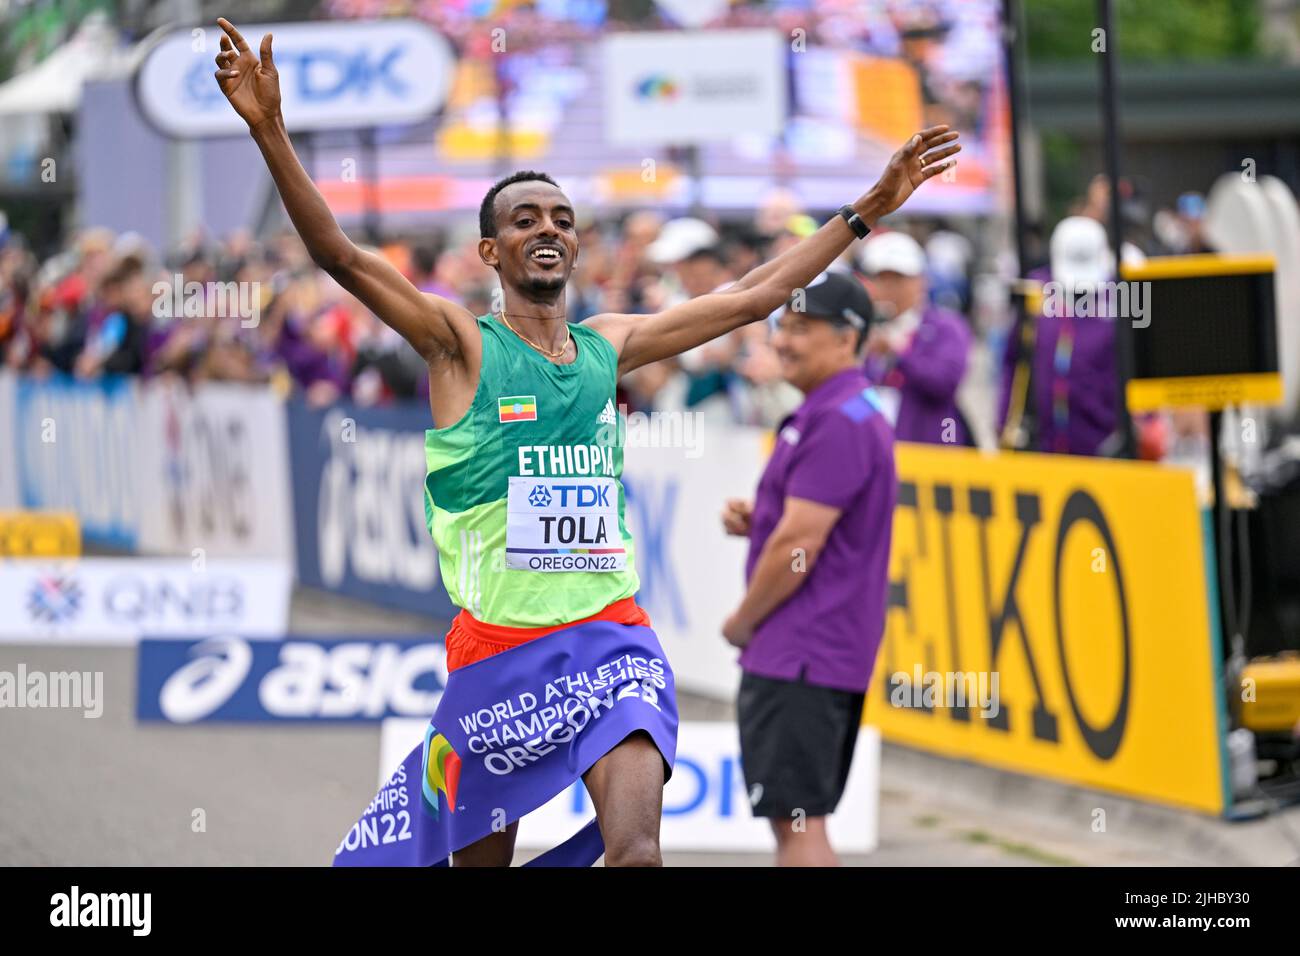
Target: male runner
517,400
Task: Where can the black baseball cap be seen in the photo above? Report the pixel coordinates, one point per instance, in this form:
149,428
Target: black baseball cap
836,297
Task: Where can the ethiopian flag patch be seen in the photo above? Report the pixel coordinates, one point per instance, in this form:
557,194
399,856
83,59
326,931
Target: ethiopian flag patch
517,408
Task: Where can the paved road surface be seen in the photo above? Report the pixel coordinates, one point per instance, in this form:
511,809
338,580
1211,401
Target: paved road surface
111,791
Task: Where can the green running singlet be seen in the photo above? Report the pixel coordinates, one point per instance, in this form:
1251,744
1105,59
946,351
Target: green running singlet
523,495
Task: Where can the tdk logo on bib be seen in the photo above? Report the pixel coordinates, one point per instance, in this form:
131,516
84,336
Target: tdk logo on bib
581,496
563,524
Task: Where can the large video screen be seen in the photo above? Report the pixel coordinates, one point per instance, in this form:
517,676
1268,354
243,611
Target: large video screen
547,85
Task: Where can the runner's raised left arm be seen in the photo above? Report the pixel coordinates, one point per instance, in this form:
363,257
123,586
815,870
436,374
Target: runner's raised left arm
642,339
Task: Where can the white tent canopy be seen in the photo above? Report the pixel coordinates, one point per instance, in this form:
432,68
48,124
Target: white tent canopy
54,84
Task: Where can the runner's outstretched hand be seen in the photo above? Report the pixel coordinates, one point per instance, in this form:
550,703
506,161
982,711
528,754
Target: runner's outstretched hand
249,80
917,160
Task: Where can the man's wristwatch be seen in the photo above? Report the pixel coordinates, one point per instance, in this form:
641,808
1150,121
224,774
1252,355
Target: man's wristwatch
860,228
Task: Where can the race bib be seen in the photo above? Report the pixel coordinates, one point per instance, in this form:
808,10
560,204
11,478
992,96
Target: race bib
563,524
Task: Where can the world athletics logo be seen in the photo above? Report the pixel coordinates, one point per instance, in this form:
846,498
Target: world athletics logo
440,772
54,599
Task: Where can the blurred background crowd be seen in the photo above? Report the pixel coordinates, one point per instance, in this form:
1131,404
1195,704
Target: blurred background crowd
526,85
104,304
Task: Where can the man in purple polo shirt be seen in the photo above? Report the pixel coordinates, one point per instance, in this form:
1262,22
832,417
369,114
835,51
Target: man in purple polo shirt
814,609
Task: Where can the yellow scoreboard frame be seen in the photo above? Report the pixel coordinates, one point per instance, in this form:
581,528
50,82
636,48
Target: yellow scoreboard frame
1085,585
1214,392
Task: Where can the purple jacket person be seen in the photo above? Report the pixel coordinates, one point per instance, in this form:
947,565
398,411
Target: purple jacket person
917,359
1073,365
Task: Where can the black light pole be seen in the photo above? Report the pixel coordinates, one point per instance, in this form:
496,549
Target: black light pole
370,206
1011,46
1024,328
1122,442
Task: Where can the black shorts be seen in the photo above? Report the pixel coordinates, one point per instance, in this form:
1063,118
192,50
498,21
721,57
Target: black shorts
796,744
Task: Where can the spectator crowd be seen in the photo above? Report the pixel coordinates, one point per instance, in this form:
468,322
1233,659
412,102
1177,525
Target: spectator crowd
108,305
105,305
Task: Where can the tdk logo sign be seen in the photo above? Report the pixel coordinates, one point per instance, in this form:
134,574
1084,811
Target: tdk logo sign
326,74
570,496
230,678
322,75
333,75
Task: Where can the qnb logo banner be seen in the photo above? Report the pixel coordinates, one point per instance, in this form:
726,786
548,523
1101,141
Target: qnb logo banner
119,600
332,76
230,678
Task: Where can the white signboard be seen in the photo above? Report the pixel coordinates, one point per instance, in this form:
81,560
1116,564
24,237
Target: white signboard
706,807
214,467
675,88
336,75
119,600
692,573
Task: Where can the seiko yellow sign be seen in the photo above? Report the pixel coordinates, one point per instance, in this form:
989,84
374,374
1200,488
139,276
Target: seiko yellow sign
39,534
1049,615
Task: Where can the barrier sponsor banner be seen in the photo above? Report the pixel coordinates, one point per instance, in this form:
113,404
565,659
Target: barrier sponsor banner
9,498
358,480
706,806
230,678
332,76
214,467
1054,615
119,600
692,573
76,446
39,534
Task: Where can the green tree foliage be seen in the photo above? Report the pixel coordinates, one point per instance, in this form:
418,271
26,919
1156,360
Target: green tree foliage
1150,31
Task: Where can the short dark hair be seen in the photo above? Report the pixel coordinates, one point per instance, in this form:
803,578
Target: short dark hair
487,220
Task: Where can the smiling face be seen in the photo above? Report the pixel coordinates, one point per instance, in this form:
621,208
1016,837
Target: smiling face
536,245
811,350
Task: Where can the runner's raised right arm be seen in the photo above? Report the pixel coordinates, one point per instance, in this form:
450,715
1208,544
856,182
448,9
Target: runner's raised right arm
435,327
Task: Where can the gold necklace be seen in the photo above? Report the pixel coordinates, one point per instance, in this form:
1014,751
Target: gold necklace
567,335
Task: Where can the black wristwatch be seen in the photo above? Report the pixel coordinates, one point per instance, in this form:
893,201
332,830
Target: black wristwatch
860,228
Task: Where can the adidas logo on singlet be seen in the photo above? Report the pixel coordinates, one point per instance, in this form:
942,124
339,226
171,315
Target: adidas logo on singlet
608,416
